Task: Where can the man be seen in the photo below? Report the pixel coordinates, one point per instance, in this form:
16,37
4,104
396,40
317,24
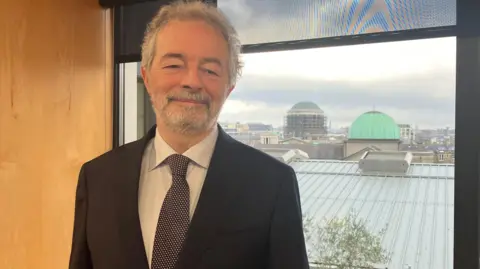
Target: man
187,195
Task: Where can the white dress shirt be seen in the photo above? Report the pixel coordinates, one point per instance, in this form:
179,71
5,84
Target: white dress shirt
156,179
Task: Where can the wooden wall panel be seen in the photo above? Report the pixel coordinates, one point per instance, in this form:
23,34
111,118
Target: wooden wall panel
55,113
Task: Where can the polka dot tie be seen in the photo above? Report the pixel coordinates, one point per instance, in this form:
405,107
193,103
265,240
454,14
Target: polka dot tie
174,216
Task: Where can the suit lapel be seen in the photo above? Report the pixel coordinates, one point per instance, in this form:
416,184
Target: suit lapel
129,178
216,191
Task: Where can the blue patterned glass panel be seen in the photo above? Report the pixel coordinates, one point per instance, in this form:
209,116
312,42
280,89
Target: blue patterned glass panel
263,21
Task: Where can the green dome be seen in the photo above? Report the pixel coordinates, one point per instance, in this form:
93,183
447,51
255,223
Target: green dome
374,125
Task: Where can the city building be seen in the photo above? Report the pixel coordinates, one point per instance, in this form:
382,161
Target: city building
259,127
371,131
315,151
443,153
269,138
407,133
421,154
229,127
305,120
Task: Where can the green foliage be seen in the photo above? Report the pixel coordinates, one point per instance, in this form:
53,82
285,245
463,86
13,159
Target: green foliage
344,243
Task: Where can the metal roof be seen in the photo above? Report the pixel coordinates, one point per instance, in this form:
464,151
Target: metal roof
416,208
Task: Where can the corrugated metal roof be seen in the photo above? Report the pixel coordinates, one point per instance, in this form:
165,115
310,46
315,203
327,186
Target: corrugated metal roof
417,208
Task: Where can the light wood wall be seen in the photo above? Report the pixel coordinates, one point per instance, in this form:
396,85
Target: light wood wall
55,113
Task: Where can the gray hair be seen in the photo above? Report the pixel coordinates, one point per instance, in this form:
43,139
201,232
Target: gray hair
194,10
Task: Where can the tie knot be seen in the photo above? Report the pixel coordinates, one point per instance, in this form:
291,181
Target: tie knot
178,164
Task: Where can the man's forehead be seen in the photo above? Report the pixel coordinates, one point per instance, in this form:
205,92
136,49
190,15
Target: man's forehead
185,57
207,46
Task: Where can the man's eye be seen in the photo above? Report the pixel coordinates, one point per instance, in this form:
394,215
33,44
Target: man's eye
211,72
172,66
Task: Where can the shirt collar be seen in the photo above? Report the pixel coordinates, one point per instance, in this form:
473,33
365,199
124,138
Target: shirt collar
200,153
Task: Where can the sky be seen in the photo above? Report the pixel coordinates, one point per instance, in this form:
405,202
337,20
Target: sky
412,81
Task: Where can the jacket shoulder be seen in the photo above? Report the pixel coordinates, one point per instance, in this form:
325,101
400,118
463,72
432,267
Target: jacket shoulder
116,155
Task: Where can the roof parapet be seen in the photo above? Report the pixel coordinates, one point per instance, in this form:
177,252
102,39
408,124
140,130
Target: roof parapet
286,155
385,162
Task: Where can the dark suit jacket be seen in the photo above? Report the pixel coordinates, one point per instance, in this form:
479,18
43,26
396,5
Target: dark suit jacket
248,215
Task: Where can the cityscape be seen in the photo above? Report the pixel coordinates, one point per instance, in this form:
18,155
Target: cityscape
395,178
308,132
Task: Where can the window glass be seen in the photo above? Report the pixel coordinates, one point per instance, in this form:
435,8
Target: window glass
286,20
370,132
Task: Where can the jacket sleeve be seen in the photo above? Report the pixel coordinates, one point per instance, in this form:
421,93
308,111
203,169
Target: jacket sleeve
80,254
287,241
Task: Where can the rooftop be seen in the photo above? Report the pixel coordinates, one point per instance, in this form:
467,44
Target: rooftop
314,151
285,155
416,207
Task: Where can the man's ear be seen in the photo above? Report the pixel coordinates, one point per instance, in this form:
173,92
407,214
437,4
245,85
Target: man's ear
230,90
144,73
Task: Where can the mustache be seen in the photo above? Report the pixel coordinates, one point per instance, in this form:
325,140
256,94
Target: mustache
190,96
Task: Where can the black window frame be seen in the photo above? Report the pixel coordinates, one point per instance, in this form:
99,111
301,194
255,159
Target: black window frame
467,92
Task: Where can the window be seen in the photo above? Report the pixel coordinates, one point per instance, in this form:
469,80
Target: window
130,23
287,20
339,108
282,25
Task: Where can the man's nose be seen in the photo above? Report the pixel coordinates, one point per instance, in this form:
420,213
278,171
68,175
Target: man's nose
192,79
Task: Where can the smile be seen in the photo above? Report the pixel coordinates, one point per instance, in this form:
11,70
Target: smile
189,101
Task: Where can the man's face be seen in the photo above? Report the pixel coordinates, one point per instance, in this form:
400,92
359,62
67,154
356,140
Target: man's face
188,81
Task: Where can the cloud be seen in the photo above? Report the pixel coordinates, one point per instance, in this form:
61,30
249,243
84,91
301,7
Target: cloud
414,82
241,111
407,92
371,62
339,114
426,100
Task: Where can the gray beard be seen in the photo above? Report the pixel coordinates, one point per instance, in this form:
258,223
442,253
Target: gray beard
184,122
